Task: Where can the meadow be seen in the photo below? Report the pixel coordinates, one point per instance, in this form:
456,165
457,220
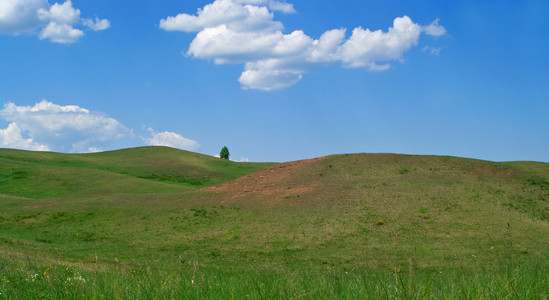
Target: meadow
160,223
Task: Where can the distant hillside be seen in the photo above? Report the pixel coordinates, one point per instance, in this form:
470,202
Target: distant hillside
523,186
136,170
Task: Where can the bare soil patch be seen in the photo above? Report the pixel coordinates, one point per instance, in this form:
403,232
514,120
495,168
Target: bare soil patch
272,185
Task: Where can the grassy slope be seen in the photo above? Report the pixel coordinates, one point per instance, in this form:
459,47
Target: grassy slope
127,209
129,171
380,210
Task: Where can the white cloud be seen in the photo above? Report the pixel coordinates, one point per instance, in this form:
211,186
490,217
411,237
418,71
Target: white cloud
224,45
11,137
365,47
325,49
244,159
237,15
244,31
18,16
434,29
62,128
46,126
269,80
282,7
170,139
60,13
54,22
97,25
61,33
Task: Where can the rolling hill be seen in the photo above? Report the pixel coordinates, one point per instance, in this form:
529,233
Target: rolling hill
167,210
137,170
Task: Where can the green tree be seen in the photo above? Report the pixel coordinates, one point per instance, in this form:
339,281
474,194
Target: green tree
224,153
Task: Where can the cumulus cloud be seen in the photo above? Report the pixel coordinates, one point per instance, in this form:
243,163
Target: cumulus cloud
59,128
60,13
60,33
364,48
268,80
12,137
245,32
237,15
284,7
97,24
46,126
434,29
54,22
18,16
170,139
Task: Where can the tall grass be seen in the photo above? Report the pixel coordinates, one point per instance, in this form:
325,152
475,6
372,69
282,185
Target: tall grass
190,280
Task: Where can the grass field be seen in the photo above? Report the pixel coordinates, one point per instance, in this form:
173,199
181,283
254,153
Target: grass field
156,222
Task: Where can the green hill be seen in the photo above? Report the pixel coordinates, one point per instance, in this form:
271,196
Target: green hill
129,171
156,219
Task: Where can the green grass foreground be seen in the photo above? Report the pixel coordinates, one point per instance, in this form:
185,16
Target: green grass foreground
193,281
159,223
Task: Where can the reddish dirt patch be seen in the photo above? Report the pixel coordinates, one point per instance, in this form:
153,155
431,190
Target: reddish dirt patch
272,185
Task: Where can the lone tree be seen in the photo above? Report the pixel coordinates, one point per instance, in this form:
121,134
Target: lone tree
224,153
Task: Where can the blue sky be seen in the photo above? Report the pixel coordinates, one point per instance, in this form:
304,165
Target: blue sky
473,84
